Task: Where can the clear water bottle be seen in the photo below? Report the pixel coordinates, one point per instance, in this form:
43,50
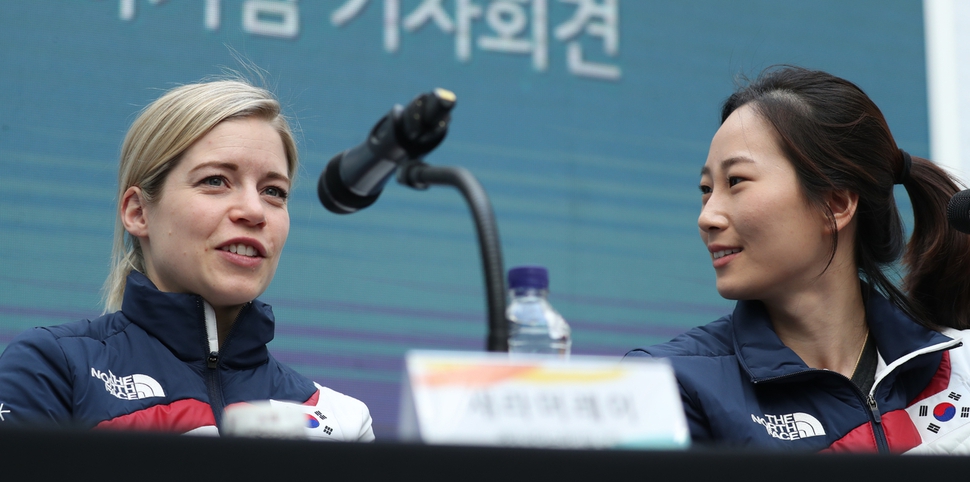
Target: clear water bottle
534,326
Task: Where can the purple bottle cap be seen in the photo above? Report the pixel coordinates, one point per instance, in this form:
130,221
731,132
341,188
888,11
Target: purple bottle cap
536,277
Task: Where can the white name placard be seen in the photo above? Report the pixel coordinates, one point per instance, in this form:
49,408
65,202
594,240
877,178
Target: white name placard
477,398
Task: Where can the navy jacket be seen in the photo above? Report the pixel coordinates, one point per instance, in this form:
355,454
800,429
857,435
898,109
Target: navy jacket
152,366
741,385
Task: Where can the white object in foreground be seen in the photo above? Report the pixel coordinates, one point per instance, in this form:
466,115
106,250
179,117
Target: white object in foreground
475,398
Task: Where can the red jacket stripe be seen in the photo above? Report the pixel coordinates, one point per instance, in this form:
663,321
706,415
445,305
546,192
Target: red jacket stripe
900,433
179,417
313,399
940,381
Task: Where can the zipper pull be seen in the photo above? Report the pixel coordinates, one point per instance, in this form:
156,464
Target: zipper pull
874,408
213,359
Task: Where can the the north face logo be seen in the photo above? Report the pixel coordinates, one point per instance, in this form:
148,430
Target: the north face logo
792,426
131,387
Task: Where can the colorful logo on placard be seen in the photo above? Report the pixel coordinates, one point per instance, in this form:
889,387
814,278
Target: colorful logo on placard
311,421
944,411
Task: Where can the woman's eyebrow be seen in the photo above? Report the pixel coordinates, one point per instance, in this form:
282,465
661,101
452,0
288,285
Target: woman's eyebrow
725,164
224,165
278,176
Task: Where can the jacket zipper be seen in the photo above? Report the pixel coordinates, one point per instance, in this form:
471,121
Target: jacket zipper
877,429
213,384
213,381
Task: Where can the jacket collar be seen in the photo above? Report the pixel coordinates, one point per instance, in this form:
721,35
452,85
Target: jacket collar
178,321
764,356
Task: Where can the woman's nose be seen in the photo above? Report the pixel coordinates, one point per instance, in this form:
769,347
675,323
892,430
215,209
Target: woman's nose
712,217
249,208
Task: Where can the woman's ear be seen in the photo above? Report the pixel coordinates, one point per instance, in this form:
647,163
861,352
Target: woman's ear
842,205
133,216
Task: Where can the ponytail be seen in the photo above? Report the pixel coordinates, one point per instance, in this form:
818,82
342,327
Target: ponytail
937,259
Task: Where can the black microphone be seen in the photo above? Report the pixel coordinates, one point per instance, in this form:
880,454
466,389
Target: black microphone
958,211
355,178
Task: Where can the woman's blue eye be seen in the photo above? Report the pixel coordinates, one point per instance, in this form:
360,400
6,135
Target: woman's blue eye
213,181
276,192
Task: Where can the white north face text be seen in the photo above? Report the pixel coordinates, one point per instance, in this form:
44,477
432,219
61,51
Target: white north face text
792,426
131,387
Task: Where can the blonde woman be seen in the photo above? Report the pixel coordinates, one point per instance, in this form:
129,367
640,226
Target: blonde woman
202,219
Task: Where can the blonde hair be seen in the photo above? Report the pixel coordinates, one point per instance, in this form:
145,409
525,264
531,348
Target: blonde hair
156,141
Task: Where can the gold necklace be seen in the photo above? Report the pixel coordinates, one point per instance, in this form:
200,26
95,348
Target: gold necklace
865,341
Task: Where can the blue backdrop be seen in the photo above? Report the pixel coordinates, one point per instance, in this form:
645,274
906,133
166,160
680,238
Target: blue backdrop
586,122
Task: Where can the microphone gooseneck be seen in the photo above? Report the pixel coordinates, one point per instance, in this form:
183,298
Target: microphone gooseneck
355,178
958,211
419,176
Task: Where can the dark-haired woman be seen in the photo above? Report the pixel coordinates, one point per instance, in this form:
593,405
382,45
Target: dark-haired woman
823,351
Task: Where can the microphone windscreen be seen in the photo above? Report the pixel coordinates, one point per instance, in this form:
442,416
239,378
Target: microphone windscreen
334,194
958,211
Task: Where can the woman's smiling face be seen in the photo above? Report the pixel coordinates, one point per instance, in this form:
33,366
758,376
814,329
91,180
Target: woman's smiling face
220,222
764,237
